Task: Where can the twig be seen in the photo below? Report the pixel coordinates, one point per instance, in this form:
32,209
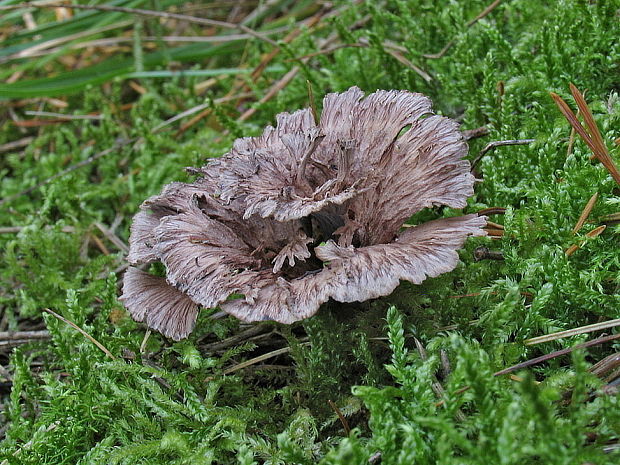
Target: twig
89,160
572,332
585,213
557,353
84,333
484,253
64,116
609,363
327,51
543,358
499,143
481,15
143,12
612,218
198,108
469,134
23,335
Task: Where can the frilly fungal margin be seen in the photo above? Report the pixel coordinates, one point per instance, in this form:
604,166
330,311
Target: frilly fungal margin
305,213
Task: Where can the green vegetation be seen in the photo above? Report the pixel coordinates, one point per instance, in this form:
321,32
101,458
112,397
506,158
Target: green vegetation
65,401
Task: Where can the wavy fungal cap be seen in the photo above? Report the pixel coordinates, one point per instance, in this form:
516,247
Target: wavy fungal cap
304,213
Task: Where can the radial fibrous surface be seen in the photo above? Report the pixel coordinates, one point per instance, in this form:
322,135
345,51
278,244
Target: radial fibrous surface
304,213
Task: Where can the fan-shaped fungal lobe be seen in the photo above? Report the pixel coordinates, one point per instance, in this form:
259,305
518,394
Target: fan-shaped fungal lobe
305,213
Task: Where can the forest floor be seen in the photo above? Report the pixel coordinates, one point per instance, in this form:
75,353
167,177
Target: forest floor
513,357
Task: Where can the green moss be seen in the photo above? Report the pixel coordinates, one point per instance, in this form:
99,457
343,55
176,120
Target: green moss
173,404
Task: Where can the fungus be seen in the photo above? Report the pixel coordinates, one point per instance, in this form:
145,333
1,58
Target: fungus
305,213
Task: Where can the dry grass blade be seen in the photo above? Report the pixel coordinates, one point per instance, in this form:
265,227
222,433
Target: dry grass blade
80,330
572,332
272,92
572,119
258,359
143,12
585,213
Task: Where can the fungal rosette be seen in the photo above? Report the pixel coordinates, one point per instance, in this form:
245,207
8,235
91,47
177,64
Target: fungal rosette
305,213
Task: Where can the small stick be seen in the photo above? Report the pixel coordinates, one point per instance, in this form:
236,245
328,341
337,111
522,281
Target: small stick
484,253
64,116
495,225
611,218
494,232
543,358
499,143
405,61
23,335
84,333
100,245
609,363
470,134
557,353
254,330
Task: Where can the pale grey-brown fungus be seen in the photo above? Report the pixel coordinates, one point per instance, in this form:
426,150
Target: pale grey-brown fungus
304,213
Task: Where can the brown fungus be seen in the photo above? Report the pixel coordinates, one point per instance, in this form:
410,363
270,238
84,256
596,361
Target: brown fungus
304,213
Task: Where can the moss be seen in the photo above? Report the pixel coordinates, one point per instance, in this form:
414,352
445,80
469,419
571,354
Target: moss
173,403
